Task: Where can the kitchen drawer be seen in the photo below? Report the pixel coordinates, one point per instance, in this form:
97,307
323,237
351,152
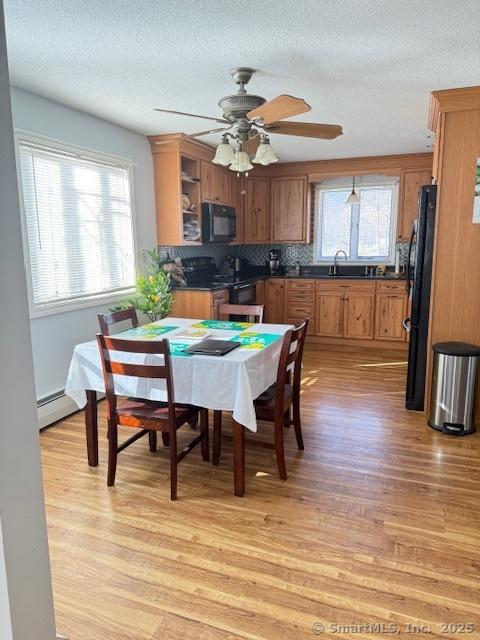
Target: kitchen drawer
393,287
300,309
300,296
300,285
341,284
297,321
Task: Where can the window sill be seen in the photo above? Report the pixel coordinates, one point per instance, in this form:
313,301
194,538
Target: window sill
83,303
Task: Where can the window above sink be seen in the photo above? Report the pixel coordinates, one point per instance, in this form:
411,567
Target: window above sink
365,231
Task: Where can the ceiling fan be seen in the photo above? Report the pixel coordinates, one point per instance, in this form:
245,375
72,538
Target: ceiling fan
248,119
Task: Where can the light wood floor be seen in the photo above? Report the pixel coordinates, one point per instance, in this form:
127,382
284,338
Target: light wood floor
378,522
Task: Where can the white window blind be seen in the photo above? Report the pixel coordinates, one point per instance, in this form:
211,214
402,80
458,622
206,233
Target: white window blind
78,222
365,231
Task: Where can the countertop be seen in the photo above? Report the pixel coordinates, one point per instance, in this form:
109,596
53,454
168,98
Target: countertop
224,285
341,277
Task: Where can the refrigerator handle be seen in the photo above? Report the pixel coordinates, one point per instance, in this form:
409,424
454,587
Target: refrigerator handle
409,258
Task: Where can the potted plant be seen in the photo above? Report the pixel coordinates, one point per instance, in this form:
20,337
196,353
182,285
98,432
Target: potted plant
154,296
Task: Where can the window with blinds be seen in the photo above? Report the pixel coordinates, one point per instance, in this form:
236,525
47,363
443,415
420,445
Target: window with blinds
78,225
365,231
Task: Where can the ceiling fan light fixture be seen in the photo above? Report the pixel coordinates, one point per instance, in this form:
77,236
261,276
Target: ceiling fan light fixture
224,154
265,154
353,198
241,162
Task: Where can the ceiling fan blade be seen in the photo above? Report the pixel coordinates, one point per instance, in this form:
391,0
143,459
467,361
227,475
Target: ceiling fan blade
205,133
251,145
305,129
192,115
279,108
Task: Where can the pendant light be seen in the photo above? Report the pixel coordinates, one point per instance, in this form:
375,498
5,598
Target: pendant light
265,154
353,198
224,154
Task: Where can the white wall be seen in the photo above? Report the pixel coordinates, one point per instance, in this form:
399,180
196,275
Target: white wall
55,336
5,620
26,603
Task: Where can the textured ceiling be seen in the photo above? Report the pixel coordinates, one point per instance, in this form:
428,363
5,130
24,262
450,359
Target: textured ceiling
368,65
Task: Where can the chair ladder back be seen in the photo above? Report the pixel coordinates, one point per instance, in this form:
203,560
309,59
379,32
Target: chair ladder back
289,356
254,312
300,334
112,366
106,320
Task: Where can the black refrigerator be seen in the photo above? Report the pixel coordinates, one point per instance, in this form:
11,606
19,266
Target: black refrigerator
419,279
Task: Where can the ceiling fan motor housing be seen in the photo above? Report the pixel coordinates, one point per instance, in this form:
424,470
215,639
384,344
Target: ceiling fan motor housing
238,105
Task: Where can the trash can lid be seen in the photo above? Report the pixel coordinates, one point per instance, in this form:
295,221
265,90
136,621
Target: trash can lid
456,349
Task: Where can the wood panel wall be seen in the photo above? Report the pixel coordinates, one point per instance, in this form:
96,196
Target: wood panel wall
455,300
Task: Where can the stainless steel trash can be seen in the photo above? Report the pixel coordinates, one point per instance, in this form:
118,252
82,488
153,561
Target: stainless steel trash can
455,367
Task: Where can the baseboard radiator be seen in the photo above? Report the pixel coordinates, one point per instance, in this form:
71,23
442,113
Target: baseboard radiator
54,407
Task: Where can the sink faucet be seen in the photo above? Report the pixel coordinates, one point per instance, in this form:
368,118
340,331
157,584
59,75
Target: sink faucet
335,266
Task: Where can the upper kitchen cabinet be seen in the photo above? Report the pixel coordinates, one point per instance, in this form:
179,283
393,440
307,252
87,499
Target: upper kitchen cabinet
289,210
215,183
177,174
410,184
256,211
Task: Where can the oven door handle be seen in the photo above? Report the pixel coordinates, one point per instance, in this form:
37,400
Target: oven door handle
238,287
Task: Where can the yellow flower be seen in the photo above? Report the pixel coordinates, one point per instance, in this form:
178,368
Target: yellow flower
152,279
155,298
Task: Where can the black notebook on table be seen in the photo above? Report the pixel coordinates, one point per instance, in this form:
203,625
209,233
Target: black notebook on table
209,347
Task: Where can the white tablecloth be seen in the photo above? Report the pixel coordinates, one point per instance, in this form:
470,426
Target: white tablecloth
228,383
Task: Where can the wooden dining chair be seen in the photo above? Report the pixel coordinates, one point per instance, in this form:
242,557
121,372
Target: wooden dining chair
274,404
254,312
106,320
148,416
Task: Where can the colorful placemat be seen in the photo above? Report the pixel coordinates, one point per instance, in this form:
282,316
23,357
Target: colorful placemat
146,332
177,349
223,324
255,341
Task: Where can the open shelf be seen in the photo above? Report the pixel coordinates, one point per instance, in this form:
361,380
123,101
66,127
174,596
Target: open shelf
190,186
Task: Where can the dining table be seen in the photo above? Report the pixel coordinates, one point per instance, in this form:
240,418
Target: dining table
226,383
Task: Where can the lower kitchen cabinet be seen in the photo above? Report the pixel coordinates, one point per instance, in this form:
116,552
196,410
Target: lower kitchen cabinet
391,309
189,303
260,292
358,315
329,314
275,301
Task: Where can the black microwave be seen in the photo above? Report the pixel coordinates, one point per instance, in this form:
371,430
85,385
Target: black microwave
218,223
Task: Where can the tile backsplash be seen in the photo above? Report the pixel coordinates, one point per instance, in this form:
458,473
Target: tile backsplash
257,254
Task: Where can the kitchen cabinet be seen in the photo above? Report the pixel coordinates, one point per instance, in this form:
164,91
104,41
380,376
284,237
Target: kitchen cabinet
260,292
190,303
289,210
275,301
329,314
257,211
176,174
358,315
299,303
345,309
391,309
410,183
215,183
